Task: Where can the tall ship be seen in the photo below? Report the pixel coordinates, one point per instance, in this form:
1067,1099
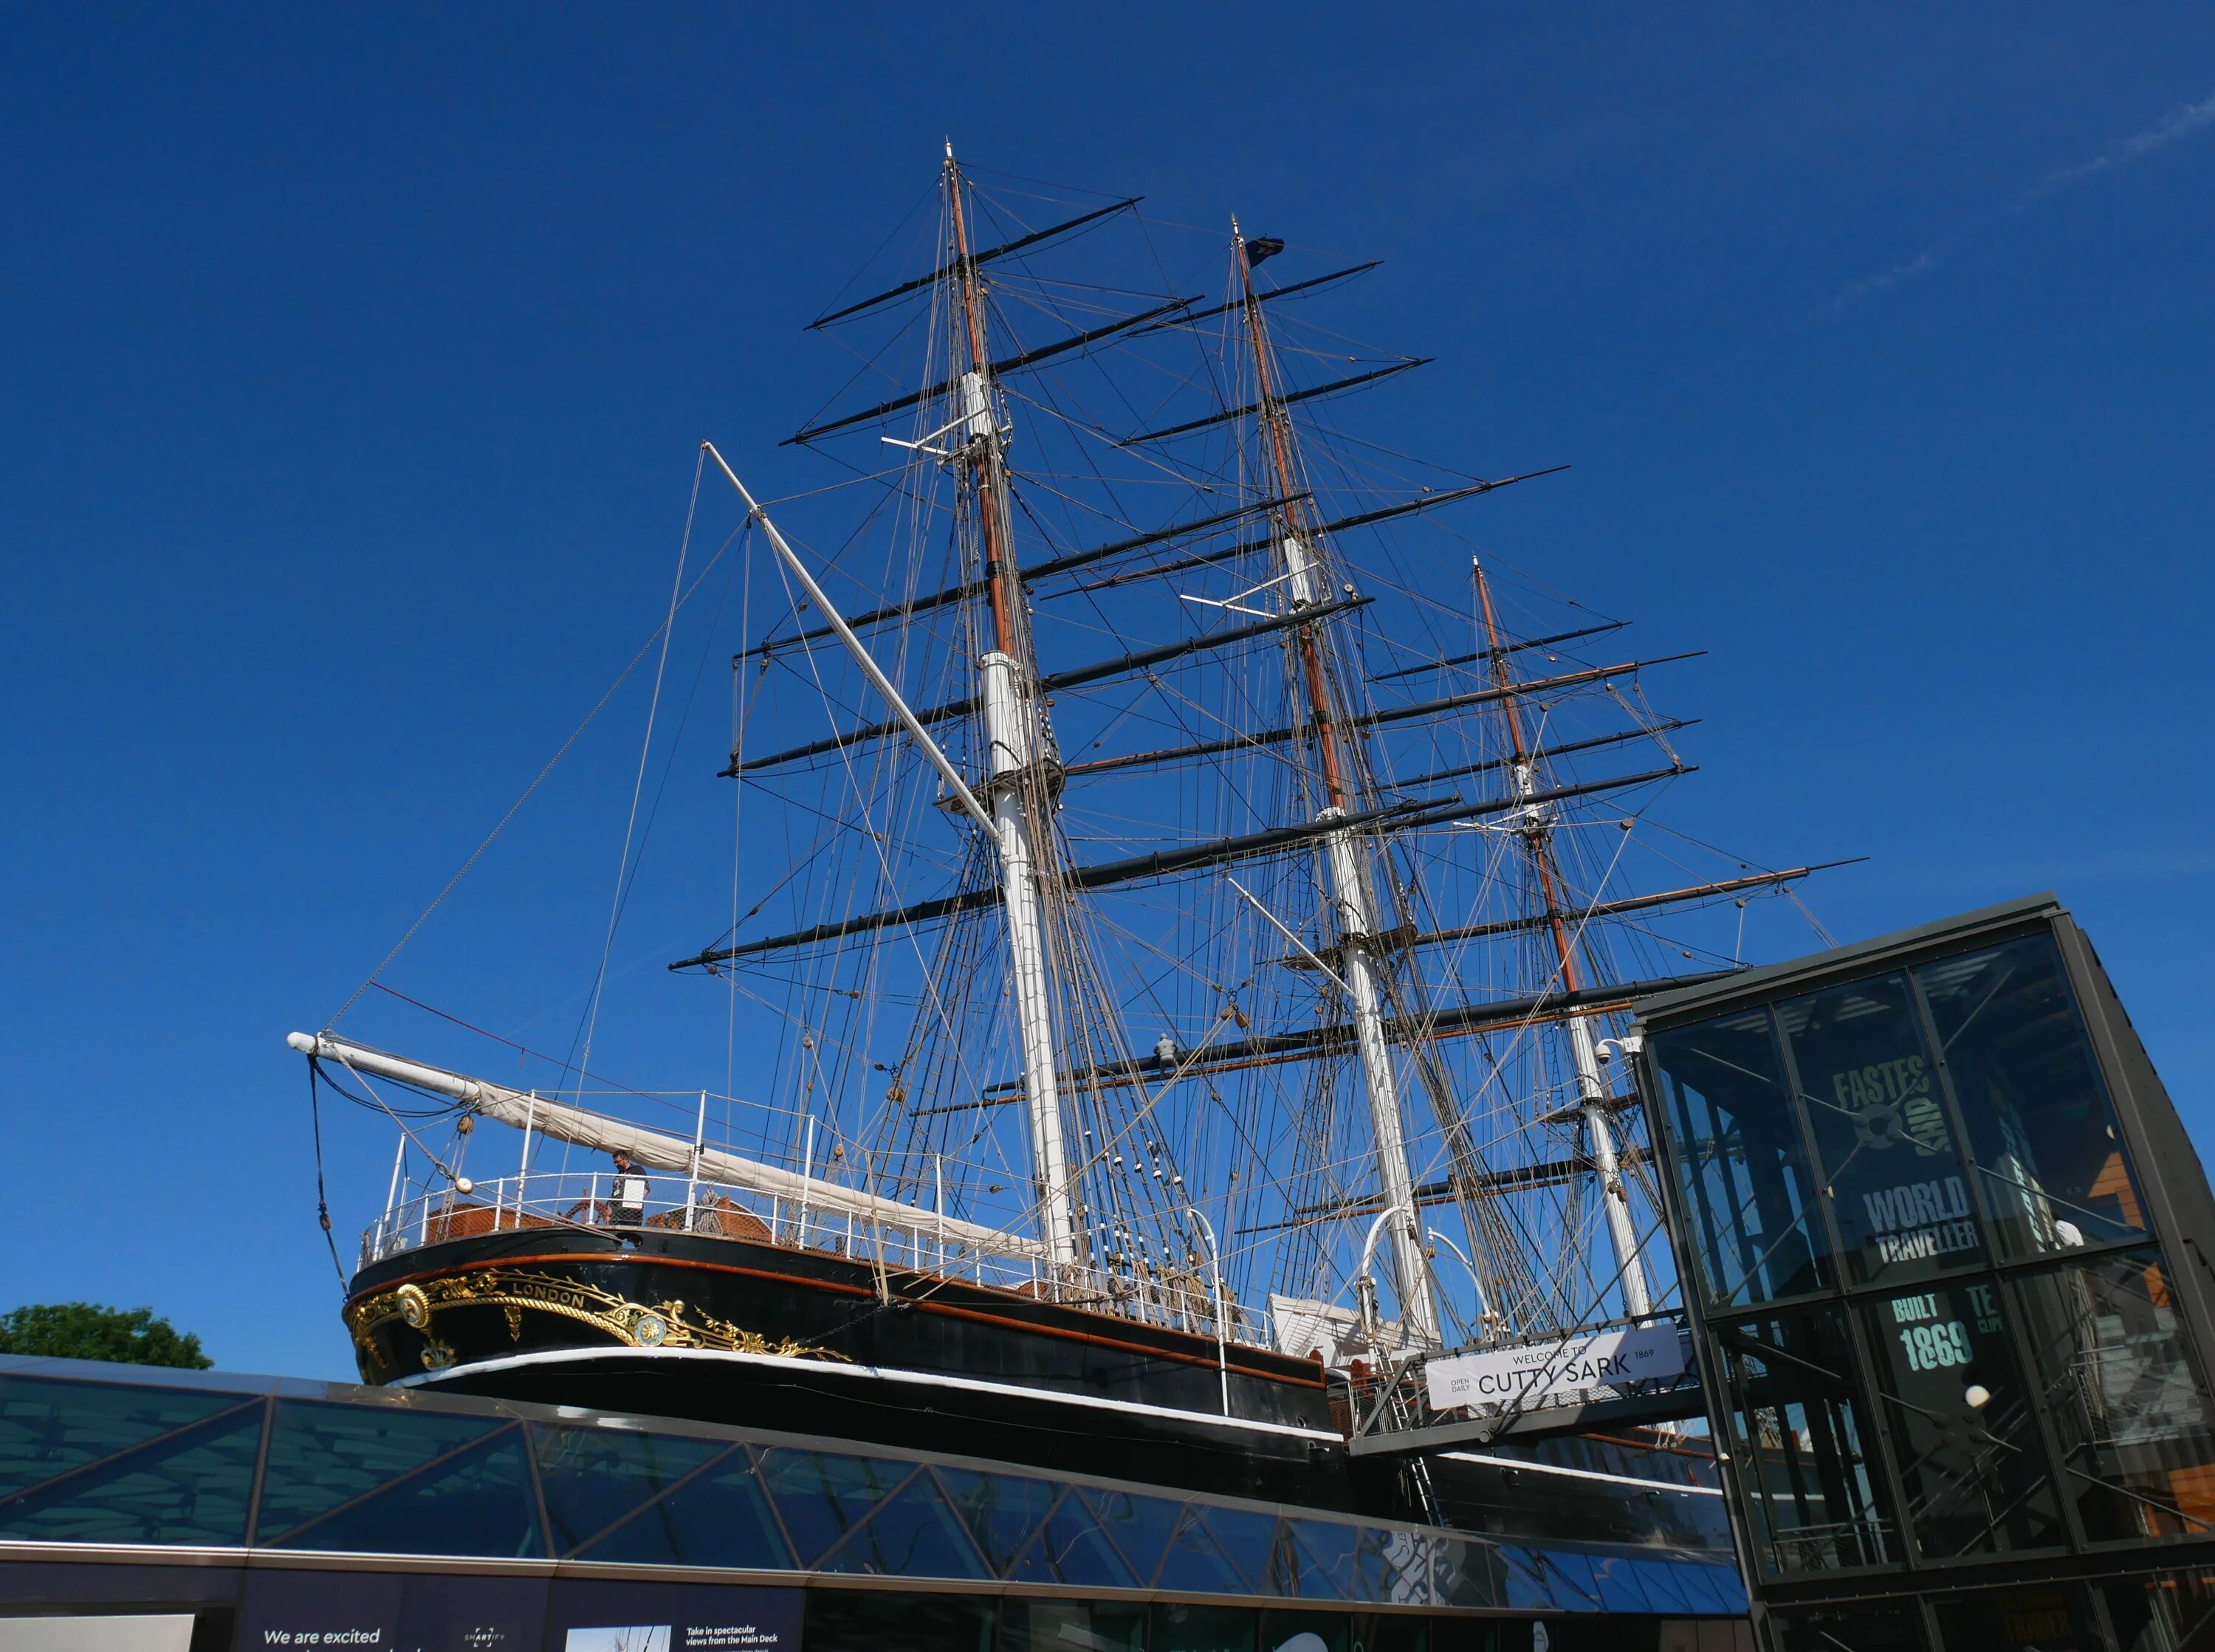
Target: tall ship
1185,894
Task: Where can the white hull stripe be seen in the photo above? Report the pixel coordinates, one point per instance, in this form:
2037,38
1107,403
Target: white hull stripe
1583,1473
884,1374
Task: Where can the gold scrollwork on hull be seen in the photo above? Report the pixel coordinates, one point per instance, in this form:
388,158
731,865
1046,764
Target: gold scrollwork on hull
635,1325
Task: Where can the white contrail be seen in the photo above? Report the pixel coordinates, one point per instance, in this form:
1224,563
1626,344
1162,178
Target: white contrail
2181,122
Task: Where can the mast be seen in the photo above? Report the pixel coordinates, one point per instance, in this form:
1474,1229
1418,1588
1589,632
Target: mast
1534,828
1019,748
1352,903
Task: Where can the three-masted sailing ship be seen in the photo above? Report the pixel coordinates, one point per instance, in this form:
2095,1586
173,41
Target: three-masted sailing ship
1187,899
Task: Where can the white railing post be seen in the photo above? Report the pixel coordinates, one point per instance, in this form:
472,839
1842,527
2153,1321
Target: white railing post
699,1144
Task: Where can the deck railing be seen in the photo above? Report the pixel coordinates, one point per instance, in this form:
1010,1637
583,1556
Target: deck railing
570,1201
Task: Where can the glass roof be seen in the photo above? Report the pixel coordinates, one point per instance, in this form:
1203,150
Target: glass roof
103,1454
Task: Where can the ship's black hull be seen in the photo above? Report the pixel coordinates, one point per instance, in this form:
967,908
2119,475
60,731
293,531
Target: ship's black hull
766,1336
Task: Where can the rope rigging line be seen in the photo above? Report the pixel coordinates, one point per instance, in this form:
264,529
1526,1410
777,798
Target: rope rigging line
645,750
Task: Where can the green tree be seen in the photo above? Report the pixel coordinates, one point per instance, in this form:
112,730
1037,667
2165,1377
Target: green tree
85,1330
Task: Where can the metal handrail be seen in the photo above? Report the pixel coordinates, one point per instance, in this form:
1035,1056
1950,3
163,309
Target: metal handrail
420,1216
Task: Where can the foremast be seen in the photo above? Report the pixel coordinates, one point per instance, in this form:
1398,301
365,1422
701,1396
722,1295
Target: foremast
1362,962
1020,763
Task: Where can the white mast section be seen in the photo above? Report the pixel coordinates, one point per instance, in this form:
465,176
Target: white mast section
1015,739
657,1151
1351,900
1007,726
1614,1198
1008,718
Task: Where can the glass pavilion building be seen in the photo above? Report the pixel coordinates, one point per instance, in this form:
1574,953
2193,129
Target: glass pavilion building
146,1511
1945,1249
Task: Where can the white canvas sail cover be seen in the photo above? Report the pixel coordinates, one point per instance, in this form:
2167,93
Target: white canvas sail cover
600,1133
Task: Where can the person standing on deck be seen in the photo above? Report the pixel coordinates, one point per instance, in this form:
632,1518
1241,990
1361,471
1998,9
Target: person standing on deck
626,1200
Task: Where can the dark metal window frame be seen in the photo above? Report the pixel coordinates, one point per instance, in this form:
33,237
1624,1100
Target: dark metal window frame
2189,1270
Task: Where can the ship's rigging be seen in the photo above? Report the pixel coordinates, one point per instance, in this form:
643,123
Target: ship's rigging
1170,842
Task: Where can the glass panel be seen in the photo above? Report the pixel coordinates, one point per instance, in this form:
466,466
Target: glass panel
2160,1614
1964,1434
1393,1568
1889,1628
1744,1177
102,1464
1799,1442
591,1478
1624,1583
474,1500
1305,1631
1892,1169
2138,1450
912,1533
1139,1526
1071,1626
1070,1548
1524,1583
1197,1565
322,1456
1393,1631
49,1428
1202,1629
823,1496
719,1517
1467,1574
873,1620
2014,1621
1327,1551
2048,1156
1002,1510
1247,1537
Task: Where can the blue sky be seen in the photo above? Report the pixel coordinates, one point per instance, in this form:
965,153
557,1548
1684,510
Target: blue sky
357,359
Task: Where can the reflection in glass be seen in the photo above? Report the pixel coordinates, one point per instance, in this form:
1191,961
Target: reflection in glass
1387,1632
1318,1560
824,1495
1071,1626
1002,1510
1800,1443
1138,1527
591,1478
1890,1627
322,1456
475,1500
2009,1620
1392,1567
1964,1434
720,1516
2165,1614
1201,1628
95,1463
2049,1158
1245,1536
1198,1563
2137,1445
1743,1178
874,1620
1304,1632
914,1532
1070,1548
1892,1169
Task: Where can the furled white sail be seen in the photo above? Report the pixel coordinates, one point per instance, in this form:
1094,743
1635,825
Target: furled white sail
657,1151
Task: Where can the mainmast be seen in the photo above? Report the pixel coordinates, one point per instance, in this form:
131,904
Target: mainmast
1019,747
1533,825
1352,899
